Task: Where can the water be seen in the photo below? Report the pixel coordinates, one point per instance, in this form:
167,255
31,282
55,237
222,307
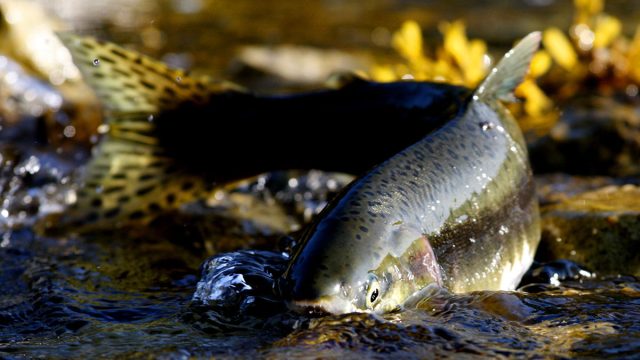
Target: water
136,293
108,297
132,297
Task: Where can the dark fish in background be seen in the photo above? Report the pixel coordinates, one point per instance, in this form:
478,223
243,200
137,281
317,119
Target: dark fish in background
173,137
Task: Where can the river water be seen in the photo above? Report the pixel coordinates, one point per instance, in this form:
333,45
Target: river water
130,294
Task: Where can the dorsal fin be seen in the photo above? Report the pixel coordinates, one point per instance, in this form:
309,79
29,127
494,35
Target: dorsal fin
130,176
509,72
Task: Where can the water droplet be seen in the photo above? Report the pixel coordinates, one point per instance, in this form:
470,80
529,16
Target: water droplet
69,131
103,129
11,78
332,184
33,165
486,125
486,61
6,240
96,62
71,197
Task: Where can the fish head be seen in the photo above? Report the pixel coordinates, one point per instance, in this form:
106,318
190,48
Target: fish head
340,270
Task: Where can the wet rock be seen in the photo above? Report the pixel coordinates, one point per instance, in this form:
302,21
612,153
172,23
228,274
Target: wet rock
553,273
595,136
556,188
236,291
236,279
255,213
599,229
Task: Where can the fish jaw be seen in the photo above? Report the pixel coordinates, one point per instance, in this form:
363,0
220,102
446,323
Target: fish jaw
330,270
326,304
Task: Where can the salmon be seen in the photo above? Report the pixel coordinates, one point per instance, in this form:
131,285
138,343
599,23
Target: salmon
456,209
444,196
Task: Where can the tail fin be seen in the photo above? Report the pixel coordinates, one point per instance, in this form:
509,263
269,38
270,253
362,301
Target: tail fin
510,71
130,176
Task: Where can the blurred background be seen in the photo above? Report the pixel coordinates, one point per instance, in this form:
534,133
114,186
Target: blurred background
209,36
130,295
284,46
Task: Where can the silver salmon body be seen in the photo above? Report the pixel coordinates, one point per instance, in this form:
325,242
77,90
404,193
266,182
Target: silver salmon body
456,209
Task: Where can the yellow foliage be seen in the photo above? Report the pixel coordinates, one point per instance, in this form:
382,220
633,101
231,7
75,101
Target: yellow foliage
455,40
540,64
475,69
585,9
536,102
408,41
458,61
605,51
607,29
560,48
634,56
596,49
469,55
383,73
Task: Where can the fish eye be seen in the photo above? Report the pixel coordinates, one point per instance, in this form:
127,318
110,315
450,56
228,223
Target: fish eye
374,296
373,292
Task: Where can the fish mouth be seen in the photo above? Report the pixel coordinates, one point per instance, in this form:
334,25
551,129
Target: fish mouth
323,306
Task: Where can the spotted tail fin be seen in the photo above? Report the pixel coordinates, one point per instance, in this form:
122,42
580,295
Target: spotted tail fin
510,71
131,176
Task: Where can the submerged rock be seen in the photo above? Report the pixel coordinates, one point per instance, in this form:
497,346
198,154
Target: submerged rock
553,273
237,280
236,292
597,228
